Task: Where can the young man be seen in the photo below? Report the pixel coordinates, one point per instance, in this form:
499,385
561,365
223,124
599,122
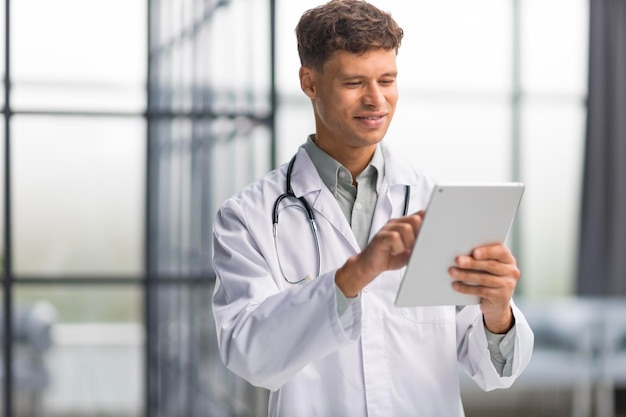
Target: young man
304,303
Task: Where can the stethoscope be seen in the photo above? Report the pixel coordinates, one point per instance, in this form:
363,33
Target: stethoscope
305,207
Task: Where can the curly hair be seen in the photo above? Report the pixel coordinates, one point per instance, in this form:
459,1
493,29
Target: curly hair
351,25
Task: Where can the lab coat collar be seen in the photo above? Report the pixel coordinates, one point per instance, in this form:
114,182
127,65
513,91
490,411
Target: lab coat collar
304,177
398,171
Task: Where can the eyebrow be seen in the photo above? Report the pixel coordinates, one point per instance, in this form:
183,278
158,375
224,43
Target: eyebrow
348,76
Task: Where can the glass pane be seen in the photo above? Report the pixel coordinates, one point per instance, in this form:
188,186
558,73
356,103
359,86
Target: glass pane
189,169
78,351
80,55
191,378
553,147
454,44
243,153
462,140
78,204
555,61
243,31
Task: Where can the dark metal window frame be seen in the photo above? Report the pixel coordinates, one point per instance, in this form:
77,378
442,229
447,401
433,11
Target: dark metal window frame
155,280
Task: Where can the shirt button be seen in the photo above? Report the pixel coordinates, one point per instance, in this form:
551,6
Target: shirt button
358,206
365,289
342,174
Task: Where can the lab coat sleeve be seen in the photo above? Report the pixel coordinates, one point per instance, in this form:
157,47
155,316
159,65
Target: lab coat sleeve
265,334
473,353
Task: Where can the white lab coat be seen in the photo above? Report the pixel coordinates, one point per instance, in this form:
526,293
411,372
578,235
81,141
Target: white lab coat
377,360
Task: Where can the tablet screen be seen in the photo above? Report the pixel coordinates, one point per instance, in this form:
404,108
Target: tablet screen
458,219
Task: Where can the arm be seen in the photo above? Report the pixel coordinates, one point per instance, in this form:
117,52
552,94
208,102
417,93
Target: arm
491,273
266,334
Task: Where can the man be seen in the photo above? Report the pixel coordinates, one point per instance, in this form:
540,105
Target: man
304,303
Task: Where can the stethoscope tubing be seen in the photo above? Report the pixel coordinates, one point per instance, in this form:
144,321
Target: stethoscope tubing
309,213
311,217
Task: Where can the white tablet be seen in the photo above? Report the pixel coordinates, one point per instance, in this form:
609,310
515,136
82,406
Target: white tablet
458,219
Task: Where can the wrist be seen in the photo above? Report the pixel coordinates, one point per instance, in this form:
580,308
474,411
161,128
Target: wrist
350,278
499,324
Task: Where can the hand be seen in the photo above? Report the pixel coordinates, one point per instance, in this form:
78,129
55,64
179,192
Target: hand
491,273
389,249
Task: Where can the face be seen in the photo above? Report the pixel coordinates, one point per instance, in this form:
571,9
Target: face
354,98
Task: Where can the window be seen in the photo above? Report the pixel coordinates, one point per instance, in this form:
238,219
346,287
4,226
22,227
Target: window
77,174
113,187
484,97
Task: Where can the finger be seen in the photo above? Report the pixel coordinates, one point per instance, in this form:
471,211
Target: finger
488,293
406,228
392,239
395,241
420,213
403,235
498,252
495,259
490,296
483,279
415,220
489,266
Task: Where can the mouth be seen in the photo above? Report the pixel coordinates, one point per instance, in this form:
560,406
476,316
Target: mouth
372,121
372,117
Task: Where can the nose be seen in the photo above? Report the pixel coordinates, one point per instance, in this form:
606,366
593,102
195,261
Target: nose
374,95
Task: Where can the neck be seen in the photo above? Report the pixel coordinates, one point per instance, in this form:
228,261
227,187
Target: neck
356,163
355,159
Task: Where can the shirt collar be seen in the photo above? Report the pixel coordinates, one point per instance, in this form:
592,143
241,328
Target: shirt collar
332,172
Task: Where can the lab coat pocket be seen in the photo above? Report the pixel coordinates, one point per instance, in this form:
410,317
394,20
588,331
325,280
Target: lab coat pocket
438,314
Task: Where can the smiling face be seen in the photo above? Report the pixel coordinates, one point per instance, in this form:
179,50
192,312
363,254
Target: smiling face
354,97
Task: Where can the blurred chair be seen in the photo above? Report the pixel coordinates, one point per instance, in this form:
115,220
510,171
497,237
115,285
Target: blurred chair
565,351
32,337
613,357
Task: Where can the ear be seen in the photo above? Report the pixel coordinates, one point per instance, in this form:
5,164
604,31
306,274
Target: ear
307,81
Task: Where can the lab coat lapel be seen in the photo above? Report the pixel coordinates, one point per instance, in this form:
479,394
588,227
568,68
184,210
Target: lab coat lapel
391,196
306,182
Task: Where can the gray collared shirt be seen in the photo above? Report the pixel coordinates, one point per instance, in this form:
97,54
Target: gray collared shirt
357,200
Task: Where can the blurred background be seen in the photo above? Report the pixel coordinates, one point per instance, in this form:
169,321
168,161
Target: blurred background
126,123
